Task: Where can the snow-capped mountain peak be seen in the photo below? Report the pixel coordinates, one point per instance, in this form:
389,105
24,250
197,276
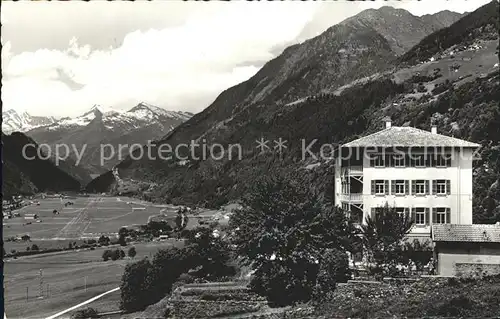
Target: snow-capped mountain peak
148,111
13,121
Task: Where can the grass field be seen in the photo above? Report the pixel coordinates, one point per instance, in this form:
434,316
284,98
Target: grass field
88,217
70,277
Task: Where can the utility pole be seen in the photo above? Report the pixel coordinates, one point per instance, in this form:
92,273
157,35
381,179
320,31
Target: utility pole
41,283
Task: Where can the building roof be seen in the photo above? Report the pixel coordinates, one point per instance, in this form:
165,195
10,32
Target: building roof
397,136
478,233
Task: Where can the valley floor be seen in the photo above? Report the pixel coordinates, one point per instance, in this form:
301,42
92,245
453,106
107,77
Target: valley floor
64,279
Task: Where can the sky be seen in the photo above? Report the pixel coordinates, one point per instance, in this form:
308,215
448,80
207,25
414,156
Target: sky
61,58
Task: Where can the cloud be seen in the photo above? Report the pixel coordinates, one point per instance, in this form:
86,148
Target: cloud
175,55
167,67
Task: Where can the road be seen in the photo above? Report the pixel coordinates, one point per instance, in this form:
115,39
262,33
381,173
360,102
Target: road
82,304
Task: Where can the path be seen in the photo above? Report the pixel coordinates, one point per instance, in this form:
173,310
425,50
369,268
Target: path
82,303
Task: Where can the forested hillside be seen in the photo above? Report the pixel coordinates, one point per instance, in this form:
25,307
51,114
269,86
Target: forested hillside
458,91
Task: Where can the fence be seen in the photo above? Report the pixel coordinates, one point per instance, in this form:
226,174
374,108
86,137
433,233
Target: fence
41,289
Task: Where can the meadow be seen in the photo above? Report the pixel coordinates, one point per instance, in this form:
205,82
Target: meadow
71,277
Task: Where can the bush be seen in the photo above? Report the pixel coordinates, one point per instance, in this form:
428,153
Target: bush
34,247
334,268
85,314
131,252
106,255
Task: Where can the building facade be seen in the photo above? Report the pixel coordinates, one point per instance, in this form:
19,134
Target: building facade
422,173
467,250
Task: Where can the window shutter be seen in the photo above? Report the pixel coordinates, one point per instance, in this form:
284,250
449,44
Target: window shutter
434,215
448,187
427,187
413,214
448,161
407,187
413,186
393,187
373,187
448,216
434,186
388,161
372,161
386,187
427,216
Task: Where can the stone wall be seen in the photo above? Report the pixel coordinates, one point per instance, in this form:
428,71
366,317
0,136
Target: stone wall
474,269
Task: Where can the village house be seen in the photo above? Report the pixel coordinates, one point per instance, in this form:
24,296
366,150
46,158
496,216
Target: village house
467,250
422,173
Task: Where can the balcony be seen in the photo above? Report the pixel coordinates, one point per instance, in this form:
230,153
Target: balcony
352,170
352,198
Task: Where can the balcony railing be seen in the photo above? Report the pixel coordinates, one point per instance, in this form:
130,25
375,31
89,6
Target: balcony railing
353,197
352,170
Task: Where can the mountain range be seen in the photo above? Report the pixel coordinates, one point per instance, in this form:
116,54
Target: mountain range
335,88
98,126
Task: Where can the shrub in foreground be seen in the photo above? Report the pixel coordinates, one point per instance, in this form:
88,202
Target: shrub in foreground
85,314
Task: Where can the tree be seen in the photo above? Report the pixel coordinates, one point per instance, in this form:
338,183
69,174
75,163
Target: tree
123,232
132,252
117,254
334,268
383,238
181,219
103,240
106,255
135,292
34,247
283,232
26,238
122,241
209,253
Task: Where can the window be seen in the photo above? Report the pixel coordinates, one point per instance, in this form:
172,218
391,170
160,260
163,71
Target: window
420,187
380,187
420,216
377,161
399,187
419,160
443,161
398,160
441,215
441,187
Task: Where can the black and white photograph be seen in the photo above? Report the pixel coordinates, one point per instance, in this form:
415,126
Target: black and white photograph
250,159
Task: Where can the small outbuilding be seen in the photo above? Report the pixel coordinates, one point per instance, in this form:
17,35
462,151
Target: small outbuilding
466,250
30,216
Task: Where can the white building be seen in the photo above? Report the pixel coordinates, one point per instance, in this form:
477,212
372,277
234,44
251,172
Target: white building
425,174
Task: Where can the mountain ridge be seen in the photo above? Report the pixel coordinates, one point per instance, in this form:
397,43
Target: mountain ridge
292,97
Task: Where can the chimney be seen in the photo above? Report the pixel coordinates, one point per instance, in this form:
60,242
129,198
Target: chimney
387,122
434,129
